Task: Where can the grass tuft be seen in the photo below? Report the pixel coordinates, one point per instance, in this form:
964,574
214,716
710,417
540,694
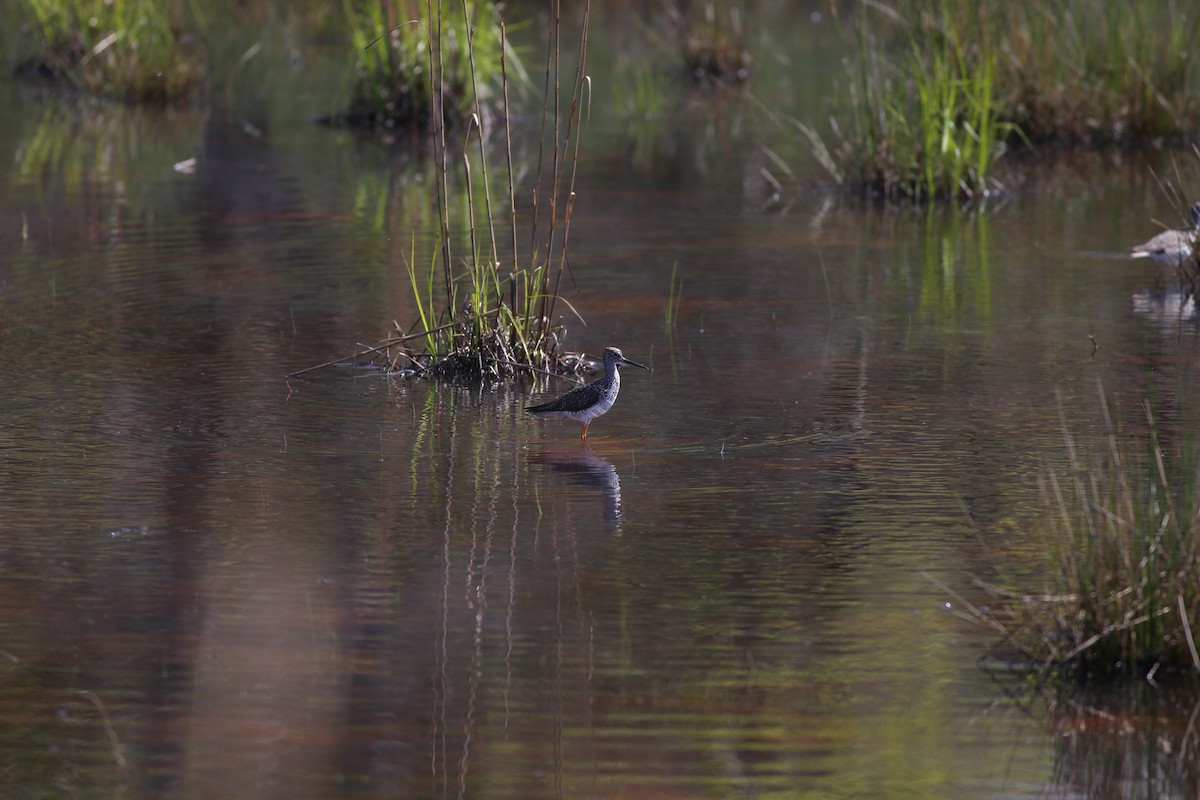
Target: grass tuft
128,50
501,320
714,42
923,121
482,317
1093,72
408,58
1124,534
939,90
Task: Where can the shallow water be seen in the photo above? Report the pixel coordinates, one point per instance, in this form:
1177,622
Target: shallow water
215,581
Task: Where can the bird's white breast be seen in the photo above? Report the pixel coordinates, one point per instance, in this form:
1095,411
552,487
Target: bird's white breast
605,402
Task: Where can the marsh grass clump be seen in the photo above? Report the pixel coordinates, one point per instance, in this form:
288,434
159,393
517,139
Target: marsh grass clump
937,91
479,323
128,50
1093,72
396,74
922,118
486,311
496,318
714,43
1124,548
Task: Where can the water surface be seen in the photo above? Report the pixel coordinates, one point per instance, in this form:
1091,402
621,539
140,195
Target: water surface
215,581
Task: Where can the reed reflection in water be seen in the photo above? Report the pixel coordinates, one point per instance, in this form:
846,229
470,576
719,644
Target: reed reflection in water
476,668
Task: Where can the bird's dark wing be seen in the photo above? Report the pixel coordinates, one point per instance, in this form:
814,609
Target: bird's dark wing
579,399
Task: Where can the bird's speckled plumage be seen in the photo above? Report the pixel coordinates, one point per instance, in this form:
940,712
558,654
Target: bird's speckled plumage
1173,246
585,403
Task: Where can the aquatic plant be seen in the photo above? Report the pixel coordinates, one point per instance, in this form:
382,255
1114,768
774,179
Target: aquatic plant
125,49
921,124
481,318
396,72
714,42
498,324
1124,552
1091,71
937,92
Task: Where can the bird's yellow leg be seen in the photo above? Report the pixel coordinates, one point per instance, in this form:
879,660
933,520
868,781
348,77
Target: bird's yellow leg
583,433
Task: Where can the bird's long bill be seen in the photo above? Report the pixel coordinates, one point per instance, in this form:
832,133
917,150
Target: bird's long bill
625,360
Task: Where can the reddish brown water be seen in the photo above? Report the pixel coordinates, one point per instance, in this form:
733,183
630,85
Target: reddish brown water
215,582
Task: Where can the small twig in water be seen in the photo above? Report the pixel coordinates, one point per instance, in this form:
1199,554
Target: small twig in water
1187,631
118,751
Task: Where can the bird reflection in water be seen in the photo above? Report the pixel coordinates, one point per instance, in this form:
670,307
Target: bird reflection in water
1167,307
588,470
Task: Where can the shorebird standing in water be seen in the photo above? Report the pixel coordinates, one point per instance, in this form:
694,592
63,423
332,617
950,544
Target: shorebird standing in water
1174,246
585,403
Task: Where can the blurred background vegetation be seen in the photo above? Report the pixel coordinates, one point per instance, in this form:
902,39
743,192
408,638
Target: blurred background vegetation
925,99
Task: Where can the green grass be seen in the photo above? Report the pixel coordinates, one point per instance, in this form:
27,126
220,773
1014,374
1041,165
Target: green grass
485,310
499,315
1088,71
922,118
128,50
1123,535
407,62
937,91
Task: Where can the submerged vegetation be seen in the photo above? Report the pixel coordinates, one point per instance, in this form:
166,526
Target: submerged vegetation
129,50
1124,548
938,92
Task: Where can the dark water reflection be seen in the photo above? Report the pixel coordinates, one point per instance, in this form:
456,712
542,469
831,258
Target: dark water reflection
587,473
1129,742
215,582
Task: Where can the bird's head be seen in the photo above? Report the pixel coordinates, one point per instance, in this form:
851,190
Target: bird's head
613,355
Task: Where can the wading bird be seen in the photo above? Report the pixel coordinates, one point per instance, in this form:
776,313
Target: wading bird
1174,246
585,403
